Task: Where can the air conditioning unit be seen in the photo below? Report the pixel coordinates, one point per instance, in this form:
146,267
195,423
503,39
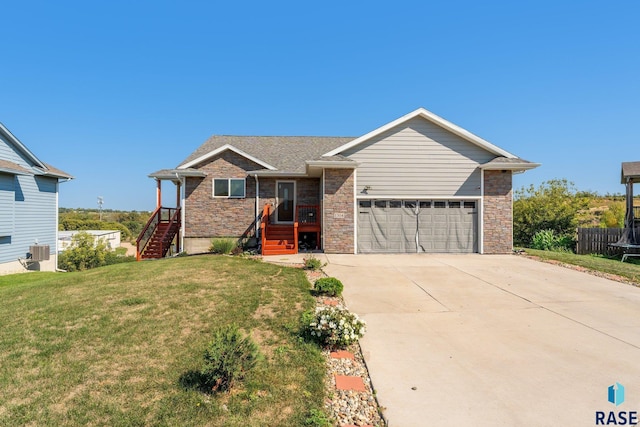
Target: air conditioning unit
39,252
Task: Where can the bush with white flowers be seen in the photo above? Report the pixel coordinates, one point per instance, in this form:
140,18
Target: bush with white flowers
335,327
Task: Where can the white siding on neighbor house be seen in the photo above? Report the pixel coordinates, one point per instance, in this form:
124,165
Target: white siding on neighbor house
421,159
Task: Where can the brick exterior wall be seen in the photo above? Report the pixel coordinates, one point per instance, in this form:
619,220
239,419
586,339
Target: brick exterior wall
207,217
338,211
498,212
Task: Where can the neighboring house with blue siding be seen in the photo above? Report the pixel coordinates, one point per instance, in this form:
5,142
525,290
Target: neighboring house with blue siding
28,208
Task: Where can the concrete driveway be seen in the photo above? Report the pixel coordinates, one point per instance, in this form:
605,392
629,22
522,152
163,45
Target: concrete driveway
486,340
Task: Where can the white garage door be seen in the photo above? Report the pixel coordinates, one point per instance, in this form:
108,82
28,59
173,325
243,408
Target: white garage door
409,226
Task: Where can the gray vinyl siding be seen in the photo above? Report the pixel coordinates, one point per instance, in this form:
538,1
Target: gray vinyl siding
421,159
32,205
7,196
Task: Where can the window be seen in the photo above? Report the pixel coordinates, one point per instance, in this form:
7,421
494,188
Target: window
470,205
454,204
365,203
425,204
380,204
395,204
410,204
439,204
229,187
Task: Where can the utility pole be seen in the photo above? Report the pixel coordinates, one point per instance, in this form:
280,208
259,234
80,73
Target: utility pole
100,202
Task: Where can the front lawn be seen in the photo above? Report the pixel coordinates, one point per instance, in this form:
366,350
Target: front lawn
629,270
114,346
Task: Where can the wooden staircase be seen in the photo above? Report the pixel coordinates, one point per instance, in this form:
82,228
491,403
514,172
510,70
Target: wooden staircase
157,236
280,240
277,239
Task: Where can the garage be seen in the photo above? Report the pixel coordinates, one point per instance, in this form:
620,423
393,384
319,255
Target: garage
410,226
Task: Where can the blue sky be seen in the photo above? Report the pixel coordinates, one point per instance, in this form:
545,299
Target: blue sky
112,91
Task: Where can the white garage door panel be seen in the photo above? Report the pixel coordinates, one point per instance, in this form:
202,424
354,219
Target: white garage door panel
393,226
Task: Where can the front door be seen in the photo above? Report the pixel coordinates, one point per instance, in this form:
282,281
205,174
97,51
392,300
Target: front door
286,201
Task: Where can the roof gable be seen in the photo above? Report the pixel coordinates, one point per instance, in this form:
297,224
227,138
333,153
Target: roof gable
25,155
427,115
274,153
20,147
222,149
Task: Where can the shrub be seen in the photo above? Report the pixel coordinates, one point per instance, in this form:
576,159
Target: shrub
554,205
312,263
317,418
228,358
115,258
83,253
548,240
223,245
335,327
328,286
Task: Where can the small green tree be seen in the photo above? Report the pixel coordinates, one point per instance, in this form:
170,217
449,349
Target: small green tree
614,216
228,358
83,253
554,205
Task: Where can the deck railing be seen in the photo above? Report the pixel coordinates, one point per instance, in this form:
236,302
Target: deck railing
264,220
308,214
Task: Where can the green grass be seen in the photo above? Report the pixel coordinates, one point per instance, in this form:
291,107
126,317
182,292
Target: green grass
629,269
112,346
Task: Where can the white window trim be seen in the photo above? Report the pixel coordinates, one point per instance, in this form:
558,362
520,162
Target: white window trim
229,196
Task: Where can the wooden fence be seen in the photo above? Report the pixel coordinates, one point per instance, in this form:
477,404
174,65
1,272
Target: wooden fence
597,241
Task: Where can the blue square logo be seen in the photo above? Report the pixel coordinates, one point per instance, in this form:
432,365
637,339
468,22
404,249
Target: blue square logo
616,394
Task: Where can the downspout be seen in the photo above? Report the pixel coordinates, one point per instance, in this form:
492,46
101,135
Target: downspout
57,224
481,214
322,200
256,226
355,211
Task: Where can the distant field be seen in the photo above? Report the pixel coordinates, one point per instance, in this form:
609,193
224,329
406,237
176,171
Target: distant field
108,347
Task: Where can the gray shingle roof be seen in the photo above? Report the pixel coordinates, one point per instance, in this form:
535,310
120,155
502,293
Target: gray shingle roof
509,163
55,172
13,168
285,153
630,170
174,173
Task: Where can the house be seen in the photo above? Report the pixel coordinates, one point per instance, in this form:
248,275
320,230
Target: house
417,184
28,208
110,237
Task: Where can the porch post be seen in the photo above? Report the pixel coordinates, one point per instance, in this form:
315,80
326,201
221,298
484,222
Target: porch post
159,194
178,185
178,206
